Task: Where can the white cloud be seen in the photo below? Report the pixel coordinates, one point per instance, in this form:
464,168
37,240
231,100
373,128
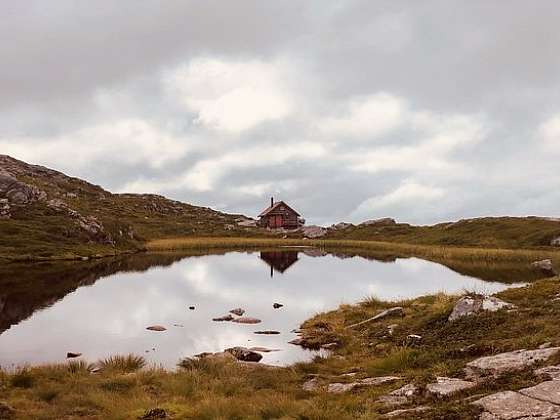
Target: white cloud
409,192
130,141
231,95
549,132
365,118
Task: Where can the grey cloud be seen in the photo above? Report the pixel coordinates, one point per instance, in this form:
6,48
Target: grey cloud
68,69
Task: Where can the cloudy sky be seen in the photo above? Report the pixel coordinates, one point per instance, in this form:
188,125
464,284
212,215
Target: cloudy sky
423,111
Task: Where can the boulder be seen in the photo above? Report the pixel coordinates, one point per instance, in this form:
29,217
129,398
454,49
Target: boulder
72,355
555,241
246,320
473,304
506,362
313,231
277,305
156,328
386,221
18,192
237,311
399,396
395,311
545,267
444,386
341,226
244,354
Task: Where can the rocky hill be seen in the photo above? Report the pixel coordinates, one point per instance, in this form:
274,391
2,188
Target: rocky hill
44,213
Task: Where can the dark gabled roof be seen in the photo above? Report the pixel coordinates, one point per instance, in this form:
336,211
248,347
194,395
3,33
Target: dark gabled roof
274,207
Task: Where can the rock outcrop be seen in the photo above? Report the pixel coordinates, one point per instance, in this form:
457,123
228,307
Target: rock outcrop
386,221
538,402
444,387
339,388
545,267
471,305
313,232
497,365
244,354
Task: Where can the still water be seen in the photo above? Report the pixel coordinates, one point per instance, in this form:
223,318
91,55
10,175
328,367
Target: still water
102,308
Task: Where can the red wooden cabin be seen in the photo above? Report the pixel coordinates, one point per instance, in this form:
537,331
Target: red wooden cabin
279,215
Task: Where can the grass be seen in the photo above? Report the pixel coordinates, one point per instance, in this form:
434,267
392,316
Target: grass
125,388
436,252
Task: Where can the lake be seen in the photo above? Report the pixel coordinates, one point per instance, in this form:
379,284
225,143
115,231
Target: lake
102,307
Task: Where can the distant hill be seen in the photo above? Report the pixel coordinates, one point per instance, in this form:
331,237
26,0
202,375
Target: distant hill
486,232
46,213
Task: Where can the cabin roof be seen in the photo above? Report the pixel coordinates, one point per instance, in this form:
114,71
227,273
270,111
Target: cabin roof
274,207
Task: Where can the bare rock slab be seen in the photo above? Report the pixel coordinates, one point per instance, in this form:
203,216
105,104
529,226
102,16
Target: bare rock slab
549,372
399,396
405,413
444,386
545,391
509,405
471,305
506,362
339,388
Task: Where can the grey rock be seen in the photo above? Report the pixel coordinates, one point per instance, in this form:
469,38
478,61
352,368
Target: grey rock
244,354
509,405
545,267
18,192
471,305
399,396
313,231
406,412
397,310
237,311
339,388
247,223
505,362
444,386
311,385
341,226
555,241
386,221
546,391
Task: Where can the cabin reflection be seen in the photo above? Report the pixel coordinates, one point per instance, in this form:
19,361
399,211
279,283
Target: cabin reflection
279,261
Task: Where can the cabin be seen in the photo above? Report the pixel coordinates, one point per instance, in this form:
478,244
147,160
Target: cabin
280,215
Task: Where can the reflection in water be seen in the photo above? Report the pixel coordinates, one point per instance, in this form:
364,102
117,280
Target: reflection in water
279,260
102,307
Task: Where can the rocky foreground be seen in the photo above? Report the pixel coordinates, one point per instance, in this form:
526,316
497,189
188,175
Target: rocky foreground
434,357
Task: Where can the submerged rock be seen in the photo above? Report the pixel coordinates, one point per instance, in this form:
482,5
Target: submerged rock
267,332
244,354
471,305
277,305
506,362
227,317
156,328
246,320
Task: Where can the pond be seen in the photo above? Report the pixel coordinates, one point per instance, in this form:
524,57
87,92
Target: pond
103,307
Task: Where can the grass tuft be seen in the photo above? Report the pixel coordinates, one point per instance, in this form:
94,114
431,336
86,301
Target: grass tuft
125,364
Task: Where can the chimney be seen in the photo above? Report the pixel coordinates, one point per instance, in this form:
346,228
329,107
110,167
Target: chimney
271,201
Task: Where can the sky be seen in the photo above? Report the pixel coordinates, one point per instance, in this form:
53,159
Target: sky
422,111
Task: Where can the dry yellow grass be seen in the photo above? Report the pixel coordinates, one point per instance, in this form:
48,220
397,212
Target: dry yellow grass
426,251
